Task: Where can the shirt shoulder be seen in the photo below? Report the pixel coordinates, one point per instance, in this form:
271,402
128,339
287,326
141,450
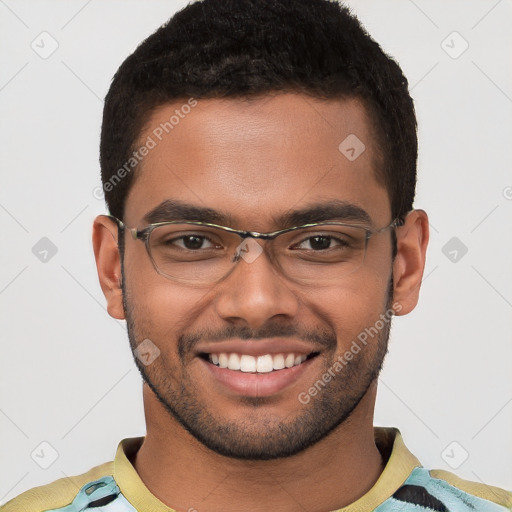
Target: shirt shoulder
441,491
405,485
95,484
480,490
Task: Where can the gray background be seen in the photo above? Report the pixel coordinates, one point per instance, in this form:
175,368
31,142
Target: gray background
66,372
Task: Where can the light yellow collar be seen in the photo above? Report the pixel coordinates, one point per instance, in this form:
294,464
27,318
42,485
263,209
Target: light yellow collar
389,441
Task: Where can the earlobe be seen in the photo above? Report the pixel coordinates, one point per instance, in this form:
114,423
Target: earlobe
108,264
412,241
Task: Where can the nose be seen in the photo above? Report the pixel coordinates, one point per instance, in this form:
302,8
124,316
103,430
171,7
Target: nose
255,292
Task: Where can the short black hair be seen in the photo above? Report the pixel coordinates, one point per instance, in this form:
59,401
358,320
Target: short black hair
249,48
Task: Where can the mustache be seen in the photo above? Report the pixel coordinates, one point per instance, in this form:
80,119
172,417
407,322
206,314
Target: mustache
319,338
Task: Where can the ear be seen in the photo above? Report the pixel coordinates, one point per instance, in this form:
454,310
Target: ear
412,241
108,263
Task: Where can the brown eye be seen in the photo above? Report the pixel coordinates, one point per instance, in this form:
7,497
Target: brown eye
193,242
320,243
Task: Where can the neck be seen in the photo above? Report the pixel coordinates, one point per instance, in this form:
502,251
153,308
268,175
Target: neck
185,475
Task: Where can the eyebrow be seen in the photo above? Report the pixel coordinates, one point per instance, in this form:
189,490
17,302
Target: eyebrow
328,211
178,210
331,210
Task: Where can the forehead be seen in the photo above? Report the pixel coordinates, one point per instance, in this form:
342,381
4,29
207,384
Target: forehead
255,159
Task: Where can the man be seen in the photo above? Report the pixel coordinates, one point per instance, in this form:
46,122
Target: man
259,163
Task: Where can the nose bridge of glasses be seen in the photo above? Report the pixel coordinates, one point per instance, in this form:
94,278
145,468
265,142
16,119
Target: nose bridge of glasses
249,248
257,235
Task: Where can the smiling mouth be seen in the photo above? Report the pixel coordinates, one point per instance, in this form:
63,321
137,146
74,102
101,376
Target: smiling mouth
257,364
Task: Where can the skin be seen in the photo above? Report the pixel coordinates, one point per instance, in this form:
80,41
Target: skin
224,155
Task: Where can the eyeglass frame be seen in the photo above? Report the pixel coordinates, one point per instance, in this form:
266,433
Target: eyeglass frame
144,234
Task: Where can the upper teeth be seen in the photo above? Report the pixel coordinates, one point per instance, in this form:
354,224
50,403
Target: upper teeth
259,364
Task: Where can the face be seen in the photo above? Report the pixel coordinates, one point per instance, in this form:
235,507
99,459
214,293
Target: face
249,163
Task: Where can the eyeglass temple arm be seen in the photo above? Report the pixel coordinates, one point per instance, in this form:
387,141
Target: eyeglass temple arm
136,234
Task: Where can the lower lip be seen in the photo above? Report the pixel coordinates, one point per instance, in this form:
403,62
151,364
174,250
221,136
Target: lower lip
257,384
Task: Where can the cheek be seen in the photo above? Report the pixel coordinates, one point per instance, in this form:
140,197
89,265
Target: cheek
147,289
162,309
351,307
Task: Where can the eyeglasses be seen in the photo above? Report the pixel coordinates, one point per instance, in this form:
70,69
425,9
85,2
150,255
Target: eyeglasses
204,253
